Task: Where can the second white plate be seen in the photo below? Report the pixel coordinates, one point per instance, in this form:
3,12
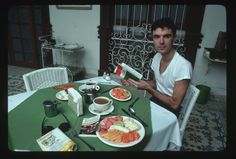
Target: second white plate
62,95
119,99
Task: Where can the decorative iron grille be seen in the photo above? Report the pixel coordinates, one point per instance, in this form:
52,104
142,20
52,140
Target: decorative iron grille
134,46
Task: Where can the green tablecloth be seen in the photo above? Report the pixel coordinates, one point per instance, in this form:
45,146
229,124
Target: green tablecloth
24,122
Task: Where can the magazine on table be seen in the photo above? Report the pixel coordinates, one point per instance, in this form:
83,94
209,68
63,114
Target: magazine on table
126,72
56,140
89,126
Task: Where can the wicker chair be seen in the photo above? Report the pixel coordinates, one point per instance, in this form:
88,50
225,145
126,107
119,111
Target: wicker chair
45,77
187,107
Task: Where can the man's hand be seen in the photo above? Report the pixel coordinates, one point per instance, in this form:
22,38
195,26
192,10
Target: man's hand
141,84
124,82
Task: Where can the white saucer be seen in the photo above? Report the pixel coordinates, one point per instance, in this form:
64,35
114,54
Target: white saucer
62,95
93,111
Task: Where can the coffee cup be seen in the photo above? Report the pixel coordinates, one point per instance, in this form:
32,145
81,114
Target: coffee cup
102,103
50,108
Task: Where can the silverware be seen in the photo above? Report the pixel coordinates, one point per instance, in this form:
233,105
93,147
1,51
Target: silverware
75,134
127,113
132,111
132,104
134,116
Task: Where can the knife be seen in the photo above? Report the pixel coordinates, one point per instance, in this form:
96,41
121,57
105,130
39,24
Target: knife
134,116
132,104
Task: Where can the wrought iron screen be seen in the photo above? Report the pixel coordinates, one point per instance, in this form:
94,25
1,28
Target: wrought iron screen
133,45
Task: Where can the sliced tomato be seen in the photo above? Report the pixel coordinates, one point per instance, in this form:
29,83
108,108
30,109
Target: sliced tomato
131,137
136,135
125,138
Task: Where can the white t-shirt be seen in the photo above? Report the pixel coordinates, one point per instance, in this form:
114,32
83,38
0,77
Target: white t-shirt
178,69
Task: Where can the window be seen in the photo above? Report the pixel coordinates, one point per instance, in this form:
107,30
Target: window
133,15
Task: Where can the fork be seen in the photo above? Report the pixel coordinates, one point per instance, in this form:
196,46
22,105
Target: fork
74,133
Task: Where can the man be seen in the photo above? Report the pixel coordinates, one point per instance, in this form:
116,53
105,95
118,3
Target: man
172,72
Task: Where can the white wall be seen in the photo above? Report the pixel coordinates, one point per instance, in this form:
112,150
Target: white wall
213,22
79,26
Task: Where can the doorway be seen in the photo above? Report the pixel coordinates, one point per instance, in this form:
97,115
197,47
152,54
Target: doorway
25,24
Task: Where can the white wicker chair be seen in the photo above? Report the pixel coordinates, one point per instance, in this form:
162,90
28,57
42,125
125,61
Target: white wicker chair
45,77
187,107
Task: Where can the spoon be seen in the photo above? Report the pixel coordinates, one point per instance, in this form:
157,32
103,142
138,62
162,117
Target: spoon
132,111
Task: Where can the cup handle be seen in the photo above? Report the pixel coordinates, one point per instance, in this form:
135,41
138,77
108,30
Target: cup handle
97,87
111,102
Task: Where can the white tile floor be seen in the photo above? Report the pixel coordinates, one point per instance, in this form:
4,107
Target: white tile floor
16,70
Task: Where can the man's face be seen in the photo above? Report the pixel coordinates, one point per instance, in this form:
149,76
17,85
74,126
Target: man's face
163,40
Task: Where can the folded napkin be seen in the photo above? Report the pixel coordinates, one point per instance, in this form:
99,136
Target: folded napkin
75,101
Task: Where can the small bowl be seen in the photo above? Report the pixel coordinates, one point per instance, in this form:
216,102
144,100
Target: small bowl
102,103
91,84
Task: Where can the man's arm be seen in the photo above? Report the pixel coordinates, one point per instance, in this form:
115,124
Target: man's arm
173,101
142,84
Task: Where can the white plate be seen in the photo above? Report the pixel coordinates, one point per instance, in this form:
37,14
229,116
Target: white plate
118,98
59,45
71,46
141,132
93,111
62,95
84,86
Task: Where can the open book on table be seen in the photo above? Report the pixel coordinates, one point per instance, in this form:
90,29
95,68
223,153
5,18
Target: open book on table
56,140
126,72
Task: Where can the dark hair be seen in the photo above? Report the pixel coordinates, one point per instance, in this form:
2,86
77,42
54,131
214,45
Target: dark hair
164,22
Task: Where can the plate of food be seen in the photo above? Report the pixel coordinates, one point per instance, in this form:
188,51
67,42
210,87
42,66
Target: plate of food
120,94
65,86
120,131
62,95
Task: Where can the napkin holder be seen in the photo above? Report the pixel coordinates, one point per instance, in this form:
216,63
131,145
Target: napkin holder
75,101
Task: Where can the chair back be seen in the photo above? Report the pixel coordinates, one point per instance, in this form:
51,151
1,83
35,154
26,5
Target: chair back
45,77
187,107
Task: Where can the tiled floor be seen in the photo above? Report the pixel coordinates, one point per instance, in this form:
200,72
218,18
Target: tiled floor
15,70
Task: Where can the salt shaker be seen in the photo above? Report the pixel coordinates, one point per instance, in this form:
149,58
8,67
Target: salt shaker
104,75
108,78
